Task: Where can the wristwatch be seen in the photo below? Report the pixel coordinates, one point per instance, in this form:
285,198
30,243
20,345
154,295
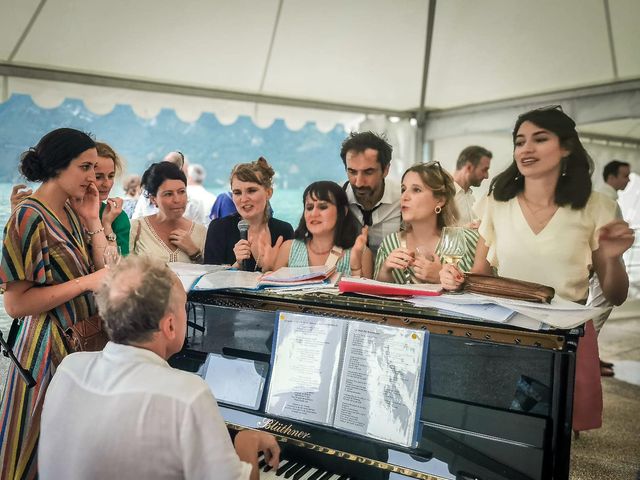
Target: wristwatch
111,237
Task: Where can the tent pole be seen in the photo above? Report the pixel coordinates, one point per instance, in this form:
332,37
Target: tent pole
420,115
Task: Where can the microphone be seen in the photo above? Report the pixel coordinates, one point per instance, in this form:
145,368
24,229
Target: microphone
243,226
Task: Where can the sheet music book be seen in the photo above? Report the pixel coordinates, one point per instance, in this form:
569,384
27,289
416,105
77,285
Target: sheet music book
236,381
356,376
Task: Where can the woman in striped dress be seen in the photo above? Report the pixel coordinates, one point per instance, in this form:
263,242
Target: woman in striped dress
49,281
427,205
327,223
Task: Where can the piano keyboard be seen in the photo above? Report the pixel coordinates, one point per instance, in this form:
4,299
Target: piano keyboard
292,470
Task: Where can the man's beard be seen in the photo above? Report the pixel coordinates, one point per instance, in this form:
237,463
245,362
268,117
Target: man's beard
365,196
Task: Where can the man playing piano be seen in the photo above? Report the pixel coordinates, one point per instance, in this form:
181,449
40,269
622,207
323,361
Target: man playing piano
124,412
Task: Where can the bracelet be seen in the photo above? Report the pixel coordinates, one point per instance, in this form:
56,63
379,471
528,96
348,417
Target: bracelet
196,257
91,234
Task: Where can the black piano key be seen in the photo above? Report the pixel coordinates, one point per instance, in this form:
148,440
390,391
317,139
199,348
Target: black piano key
301,472
267,468
289,473
344,477
283,467
262,463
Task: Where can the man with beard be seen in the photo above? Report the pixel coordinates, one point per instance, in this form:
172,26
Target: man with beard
374,201
472,168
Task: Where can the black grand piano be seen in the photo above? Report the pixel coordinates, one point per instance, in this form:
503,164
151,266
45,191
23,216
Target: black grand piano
497,399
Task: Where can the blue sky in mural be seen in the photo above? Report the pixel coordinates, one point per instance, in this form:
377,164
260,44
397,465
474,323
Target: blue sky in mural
298,156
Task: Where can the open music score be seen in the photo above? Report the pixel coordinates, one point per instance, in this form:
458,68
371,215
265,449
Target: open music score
354,376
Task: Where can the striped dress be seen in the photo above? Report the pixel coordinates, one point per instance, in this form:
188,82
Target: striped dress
38,248
394,240
299,257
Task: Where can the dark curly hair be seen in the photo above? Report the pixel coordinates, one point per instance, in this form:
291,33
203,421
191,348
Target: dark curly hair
347,229
157,173
360,141
574,187
53,153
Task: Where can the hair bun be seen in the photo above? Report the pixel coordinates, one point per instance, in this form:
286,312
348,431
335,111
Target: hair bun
31,166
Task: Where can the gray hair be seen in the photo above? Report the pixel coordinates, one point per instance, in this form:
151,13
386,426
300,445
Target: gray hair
197,173
134,297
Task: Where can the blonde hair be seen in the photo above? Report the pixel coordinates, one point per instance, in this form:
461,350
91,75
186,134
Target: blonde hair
440,182
259,172
106,151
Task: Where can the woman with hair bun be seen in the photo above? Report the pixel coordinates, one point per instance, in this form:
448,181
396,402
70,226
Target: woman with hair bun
168,234
251,188
50,279
541,222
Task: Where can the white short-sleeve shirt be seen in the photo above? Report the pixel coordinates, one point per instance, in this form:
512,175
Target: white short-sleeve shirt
559,256
124,413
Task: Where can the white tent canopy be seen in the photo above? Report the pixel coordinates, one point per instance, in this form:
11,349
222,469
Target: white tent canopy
335,61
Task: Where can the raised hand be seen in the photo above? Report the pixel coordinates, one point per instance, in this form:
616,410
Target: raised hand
112,210
615,238
268,254
181,239
18,193
88,207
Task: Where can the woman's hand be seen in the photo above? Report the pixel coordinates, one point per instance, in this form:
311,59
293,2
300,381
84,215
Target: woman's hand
426,268
400,258
242,250
88,207
268,254
355,261
18,193
111,211
451,278
181,239
615,238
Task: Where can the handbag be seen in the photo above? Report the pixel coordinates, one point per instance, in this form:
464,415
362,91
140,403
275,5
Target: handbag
507,288
87,335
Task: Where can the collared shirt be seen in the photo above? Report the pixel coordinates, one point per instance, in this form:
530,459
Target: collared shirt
610,192
385,218
464,203
124,413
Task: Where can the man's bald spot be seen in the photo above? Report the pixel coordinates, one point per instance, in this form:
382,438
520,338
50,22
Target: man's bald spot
176,158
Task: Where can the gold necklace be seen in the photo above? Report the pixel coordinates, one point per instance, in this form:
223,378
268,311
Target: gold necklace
535,213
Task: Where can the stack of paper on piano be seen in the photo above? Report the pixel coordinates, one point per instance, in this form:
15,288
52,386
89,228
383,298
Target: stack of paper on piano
190,273
560,313
356,376
283,277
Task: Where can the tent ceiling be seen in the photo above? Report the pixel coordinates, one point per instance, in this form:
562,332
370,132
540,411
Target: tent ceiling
362,53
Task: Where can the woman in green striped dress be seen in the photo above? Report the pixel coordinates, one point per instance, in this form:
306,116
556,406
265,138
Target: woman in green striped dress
412,255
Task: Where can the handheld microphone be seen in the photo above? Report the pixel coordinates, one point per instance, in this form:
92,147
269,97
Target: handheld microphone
243,227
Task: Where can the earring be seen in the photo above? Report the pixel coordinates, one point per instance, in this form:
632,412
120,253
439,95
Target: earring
438,209
516,178
564,166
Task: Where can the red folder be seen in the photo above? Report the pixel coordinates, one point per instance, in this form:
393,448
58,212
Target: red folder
373,287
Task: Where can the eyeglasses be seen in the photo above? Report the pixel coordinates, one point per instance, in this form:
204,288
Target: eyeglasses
181,155
546,108
433,163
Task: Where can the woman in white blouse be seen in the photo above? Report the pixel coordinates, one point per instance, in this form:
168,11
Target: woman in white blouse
167,235
541,222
